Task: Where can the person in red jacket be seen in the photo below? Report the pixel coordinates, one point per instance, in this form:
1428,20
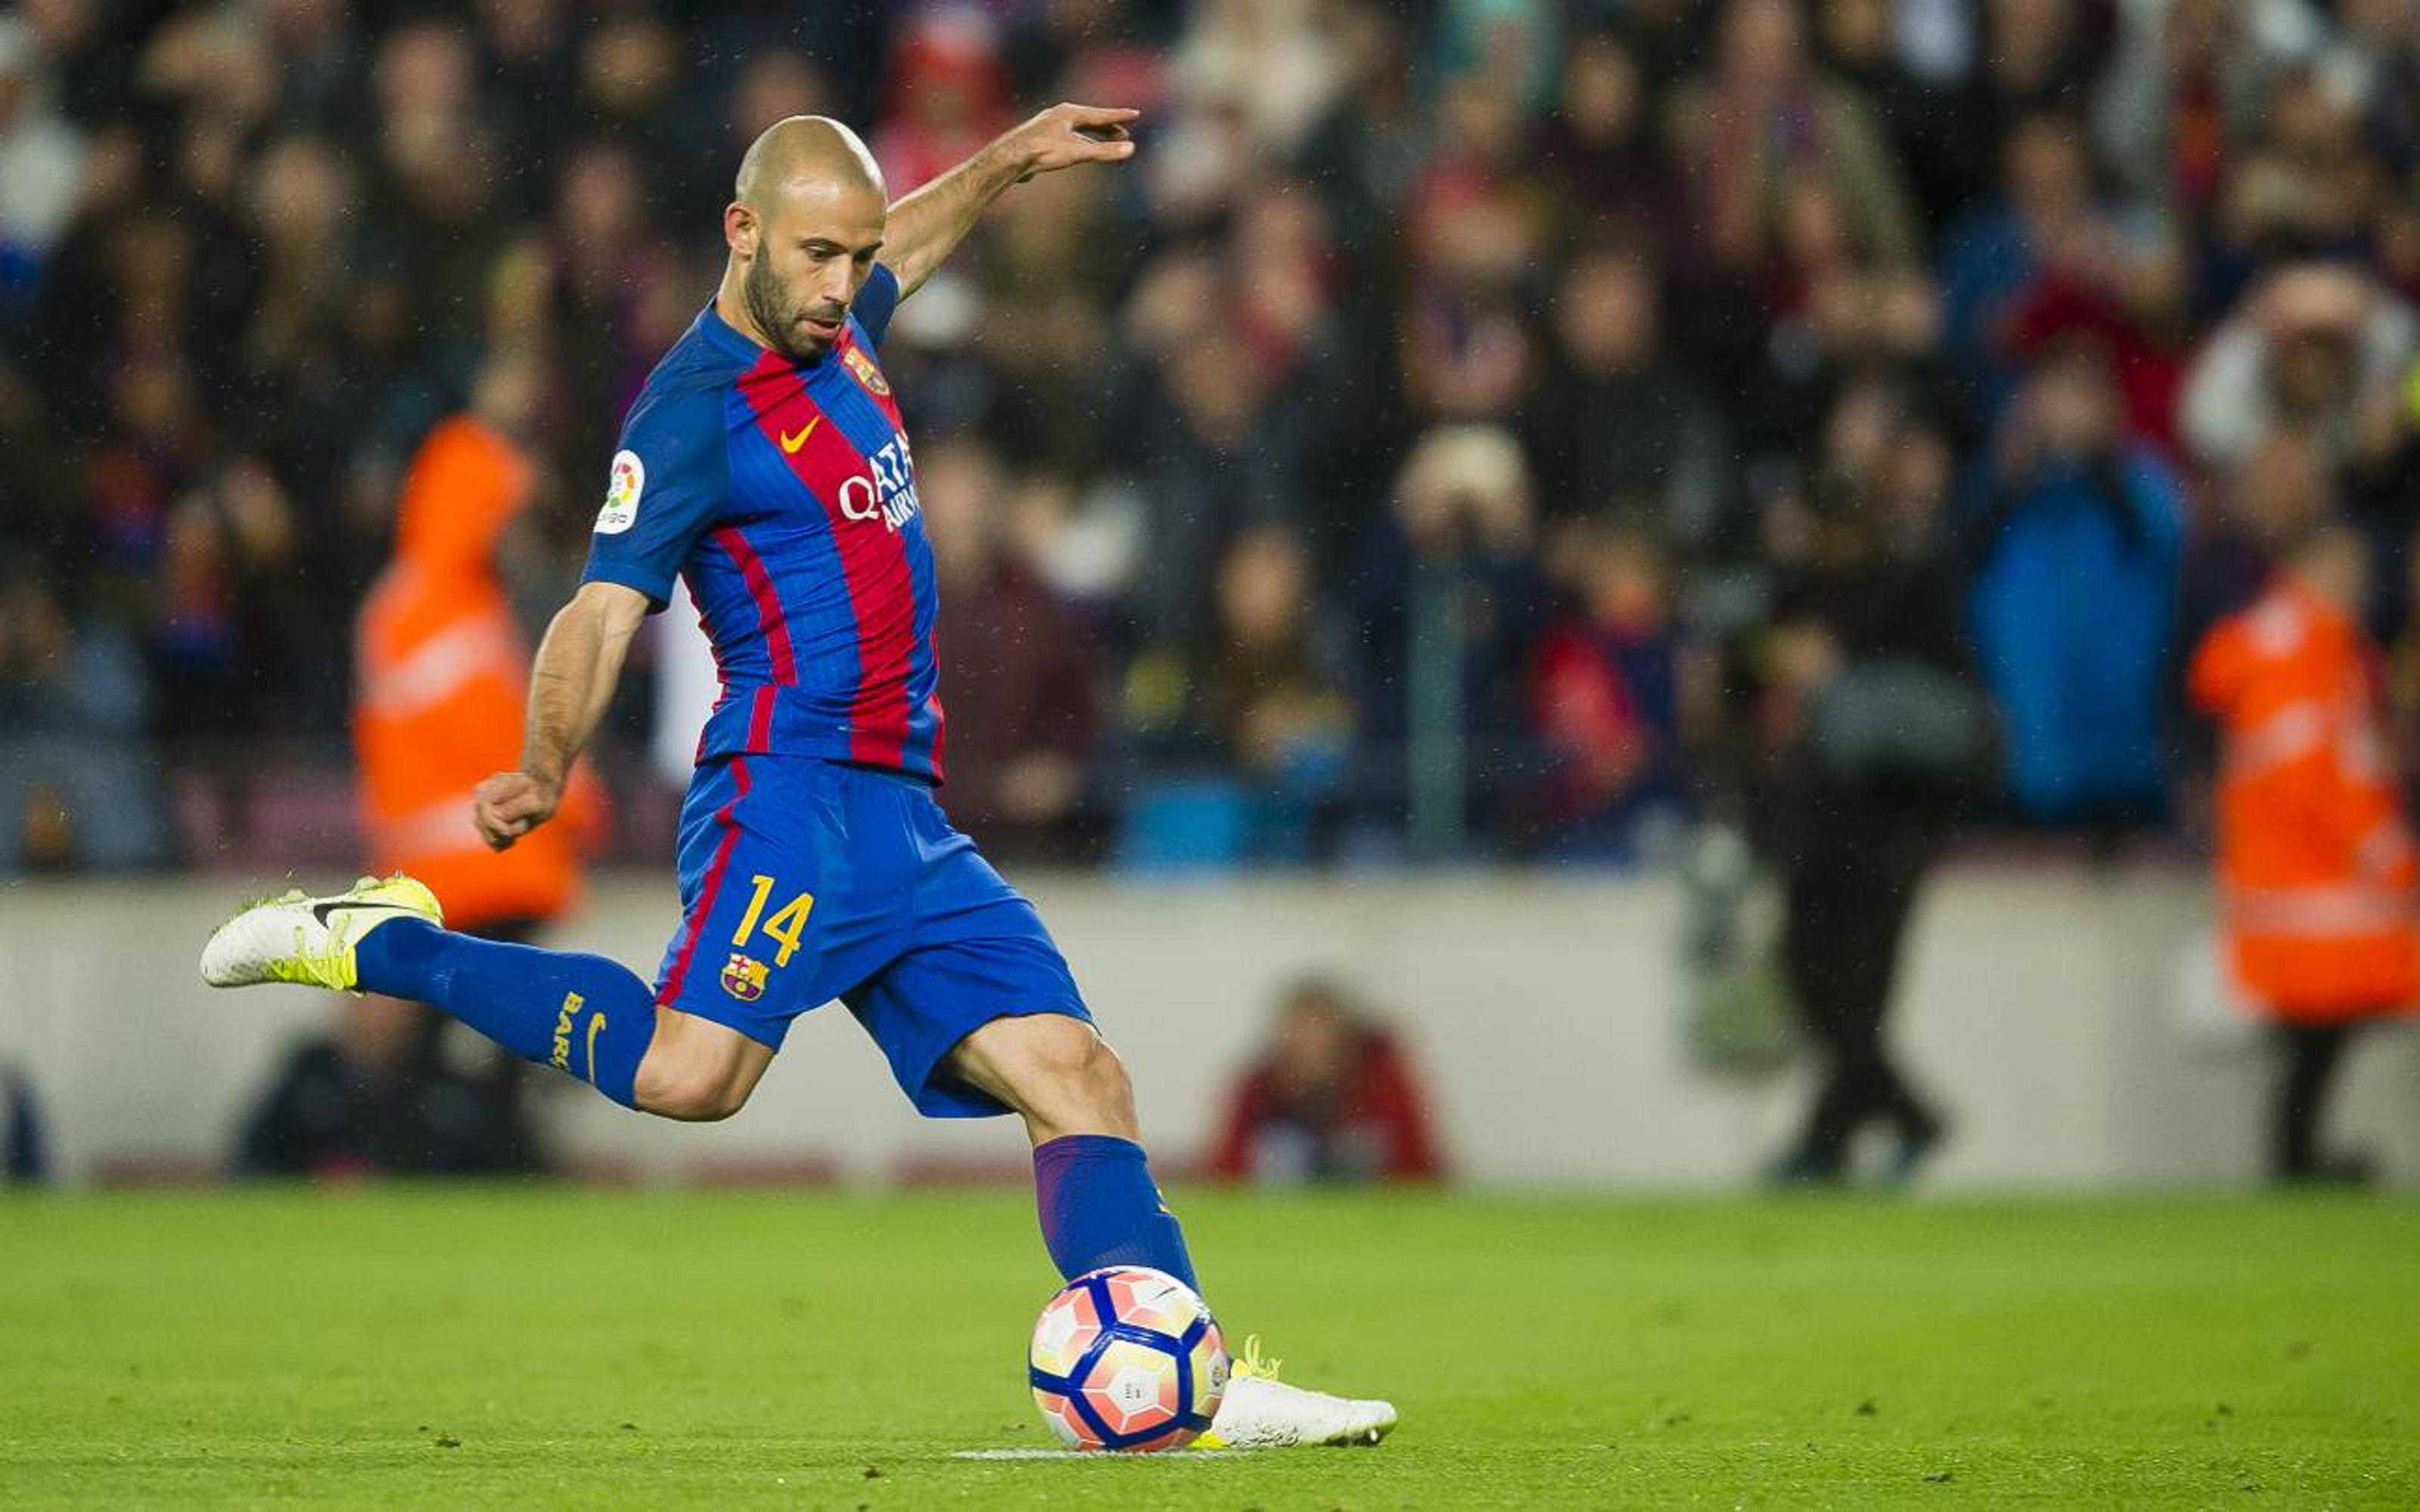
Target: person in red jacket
1331,1099
2316,865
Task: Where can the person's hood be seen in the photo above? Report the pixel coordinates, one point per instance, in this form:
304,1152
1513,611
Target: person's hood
466,484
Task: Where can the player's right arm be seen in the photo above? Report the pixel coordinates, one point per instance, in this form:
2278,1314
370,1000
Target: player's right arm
570,684
667,485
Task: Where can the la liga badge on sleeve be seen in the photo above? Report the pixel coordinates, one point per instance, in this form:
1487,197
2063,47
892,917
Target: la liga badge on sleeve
624,483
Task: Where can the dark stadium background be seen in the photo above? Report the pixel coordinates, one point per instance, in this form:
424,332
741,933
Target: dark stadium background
1520,576
1469,434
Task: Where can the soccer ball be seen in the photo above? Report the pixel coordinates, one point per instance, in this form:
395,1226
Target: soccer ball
1128,1359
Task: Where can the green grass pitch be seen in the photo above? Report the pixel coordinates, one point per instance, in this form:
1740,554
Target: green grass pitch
531,1347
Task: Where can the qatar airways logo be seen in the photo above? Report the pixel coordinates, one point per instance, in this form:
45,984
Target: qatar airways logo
886,494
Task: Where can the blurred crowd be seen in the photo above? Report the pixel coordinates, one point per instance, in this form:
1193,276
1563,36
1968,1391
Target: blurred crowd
1471,428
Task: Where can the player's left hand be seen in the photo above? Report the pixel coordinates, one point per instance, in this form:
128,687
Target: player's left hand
1066,134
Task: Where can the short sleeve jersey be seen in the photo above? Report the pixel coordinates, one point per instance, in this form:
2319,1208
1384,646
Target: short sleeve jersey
783,494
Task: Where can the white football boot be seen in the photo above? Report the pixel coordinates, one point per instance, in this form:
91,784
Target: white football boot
1260,1412
310,941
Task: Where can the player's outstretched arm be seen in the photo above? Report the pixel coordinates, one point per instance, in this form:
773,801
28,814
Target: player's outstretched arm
927,226
570,683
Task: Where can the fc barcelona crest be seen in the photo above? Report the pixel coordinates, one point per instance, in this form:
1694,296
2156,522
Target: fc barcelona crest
743,977
866,373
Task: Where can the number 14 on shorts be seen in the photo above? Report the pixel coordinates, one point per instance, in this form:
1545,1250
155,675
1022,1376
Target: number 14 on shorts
785,925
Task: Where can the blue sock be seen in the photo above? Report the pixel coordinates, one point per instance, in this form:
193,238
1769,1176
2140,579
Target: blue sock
583,1014
1099,1207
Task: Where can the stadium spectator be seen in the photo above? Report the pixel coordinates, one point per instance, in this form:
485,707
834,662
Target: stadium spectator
608,263
773,82
1207,443
433,189
41,505
1871,694
1517,44
1260,699
1622,430
949,94
301,194
1021,700
2374,60
1269,64
2305,187
631,98
2037,56
1820,311
1608,686
2046,241
2184,86
1764,121
1041,317
1860,45
1476,227
74,793
1447,600
231,642
319,65
42,161
24,1145
531,76
1363,155
2316,865
1331,1097
1601,141
2076,536
2317,347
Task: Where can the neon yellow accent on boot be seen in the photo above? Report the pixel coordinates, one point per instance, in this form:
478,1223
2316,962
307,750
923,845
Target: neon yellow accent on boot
1248,1364
1260,1412
368,904
310,941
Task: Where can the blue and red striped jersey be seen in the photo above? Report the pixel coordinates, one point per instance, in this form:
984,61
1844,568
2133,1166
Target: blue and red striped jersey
784,495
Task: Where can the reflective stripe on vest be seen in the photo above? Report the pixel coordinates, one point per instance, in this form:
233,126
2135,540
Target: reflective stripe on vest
437,668
2326,910
444,827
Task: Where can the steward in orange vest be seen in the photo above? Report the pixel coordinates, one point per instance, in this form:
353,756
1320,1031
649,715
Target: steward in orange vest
441,679
2316,866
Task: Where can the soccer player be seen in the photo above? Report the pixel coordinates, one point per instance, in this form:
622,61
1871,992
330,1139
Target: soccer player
765,464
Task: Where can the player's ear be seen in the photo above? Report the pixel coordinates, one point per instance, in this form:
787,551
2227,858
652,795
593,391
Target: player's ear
741,230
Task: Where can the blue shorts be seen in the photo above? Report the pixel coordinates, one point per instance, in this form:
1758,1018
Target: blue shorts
803,881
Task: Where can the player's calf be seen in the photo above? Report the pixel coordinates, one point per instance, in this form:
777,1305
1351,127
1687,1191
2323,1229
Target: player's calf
1092,1186
586,1016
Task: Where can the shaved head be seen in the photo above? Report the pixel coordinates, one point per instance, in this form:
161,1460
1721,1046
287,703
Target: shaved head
806,218
807,152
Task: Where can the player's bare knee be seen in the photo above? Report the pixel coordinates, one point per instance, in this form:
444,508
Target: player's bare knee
1080,1077
1105,1087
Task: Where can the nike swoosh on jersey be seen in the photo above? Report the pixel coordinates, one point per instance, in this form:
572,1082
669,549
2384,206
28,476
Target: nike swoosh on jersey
790,444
